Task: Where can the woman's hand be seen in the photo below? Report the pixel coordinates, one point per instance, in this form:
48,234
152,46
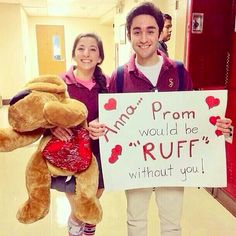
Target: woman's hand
96,129
62,133
225,126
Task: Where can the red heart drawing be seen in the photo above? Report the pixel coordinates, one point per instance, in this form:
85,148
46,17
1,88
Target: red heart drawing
218,132
115,152
212,101
118,149
213,119
110,105
113,159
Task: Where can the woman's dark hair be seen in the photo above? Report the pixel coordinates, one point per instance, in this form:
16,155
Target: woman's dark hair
98,74
146,8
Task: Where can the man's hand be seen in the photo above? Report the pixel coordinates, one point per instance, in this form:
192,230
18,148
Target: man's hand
225,126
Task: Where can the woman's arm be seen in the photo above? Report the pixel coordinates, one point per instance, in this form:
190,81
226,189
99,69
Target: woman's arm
62,133
96,129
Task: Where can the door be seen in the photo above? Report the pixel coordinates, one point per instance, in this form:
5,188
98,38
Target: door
51,49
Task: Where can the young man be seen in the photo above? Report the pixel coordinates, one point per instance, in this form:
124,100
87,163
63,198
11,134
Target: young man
165,34
149,71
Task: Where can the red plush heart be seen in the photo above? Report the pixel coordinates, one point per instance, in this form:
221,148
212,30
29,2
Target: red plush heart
74,155
213,119
110,105
212,101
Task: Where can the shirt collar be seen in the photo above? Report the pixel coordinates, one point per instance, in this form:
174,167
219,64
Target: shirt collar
70,77
167,63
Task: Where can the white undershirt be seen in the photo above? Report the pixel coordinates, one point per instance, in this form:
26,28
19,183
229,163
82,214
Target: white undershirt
151,72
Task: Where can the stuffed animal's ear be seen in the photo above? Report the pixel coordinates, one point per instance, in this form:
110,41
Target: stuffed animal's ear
47,83
26,114
67,114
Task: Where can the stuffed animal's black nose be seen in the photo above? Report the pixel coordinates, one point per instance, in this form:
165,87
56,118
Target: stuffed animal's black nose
19,96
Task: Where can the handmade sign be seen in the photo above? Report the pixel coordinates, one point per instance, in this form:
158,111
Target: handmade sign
163,139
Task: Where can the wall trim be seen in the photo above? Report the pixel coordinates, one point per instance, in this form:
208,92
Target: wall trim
224,199
5,101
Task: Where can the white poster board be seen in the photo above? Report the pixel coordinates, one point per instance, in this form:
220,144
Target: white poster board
163,139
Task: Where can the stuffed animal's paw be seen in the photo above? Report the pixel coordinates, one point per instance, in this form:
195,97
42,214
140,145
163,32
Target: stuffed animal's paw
32,211
87,210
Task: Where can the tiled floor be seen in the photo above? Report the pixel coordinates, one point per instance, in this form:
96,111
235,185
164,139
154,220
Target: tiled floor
202,216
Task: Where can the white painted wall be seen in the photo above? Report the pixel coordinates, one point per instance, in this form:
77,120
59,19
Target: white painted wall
18,47
12,66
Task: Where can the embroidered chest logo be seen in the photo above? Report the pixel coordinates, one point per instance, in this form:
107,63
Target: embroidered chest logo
171,83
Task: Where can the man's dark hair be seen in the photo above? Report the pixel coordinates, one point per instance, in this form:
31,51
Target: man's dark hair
167,17
146,8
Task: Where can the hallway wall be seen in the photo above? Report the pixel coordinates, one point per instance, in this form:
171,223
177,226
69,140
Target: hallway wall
18,56
72,27
178,11
12,50
18,51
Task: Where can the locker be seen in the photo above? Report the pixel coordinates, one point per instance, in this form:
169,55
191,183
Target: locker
211,61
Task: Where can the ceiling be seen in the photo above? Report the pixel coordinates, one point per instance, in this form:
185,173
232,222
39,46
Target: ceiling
67,8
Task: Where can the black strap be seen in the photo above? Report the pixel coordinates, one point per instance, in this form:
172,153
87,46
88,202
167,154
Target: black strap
120,79
180,69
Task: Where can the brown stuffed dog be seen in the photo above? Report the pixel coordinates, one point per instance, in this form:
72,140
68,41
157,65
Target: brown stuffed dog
44,104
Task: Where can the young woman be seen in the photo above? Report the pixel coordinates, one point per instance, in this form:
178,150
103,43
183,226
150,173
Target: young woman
84,81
